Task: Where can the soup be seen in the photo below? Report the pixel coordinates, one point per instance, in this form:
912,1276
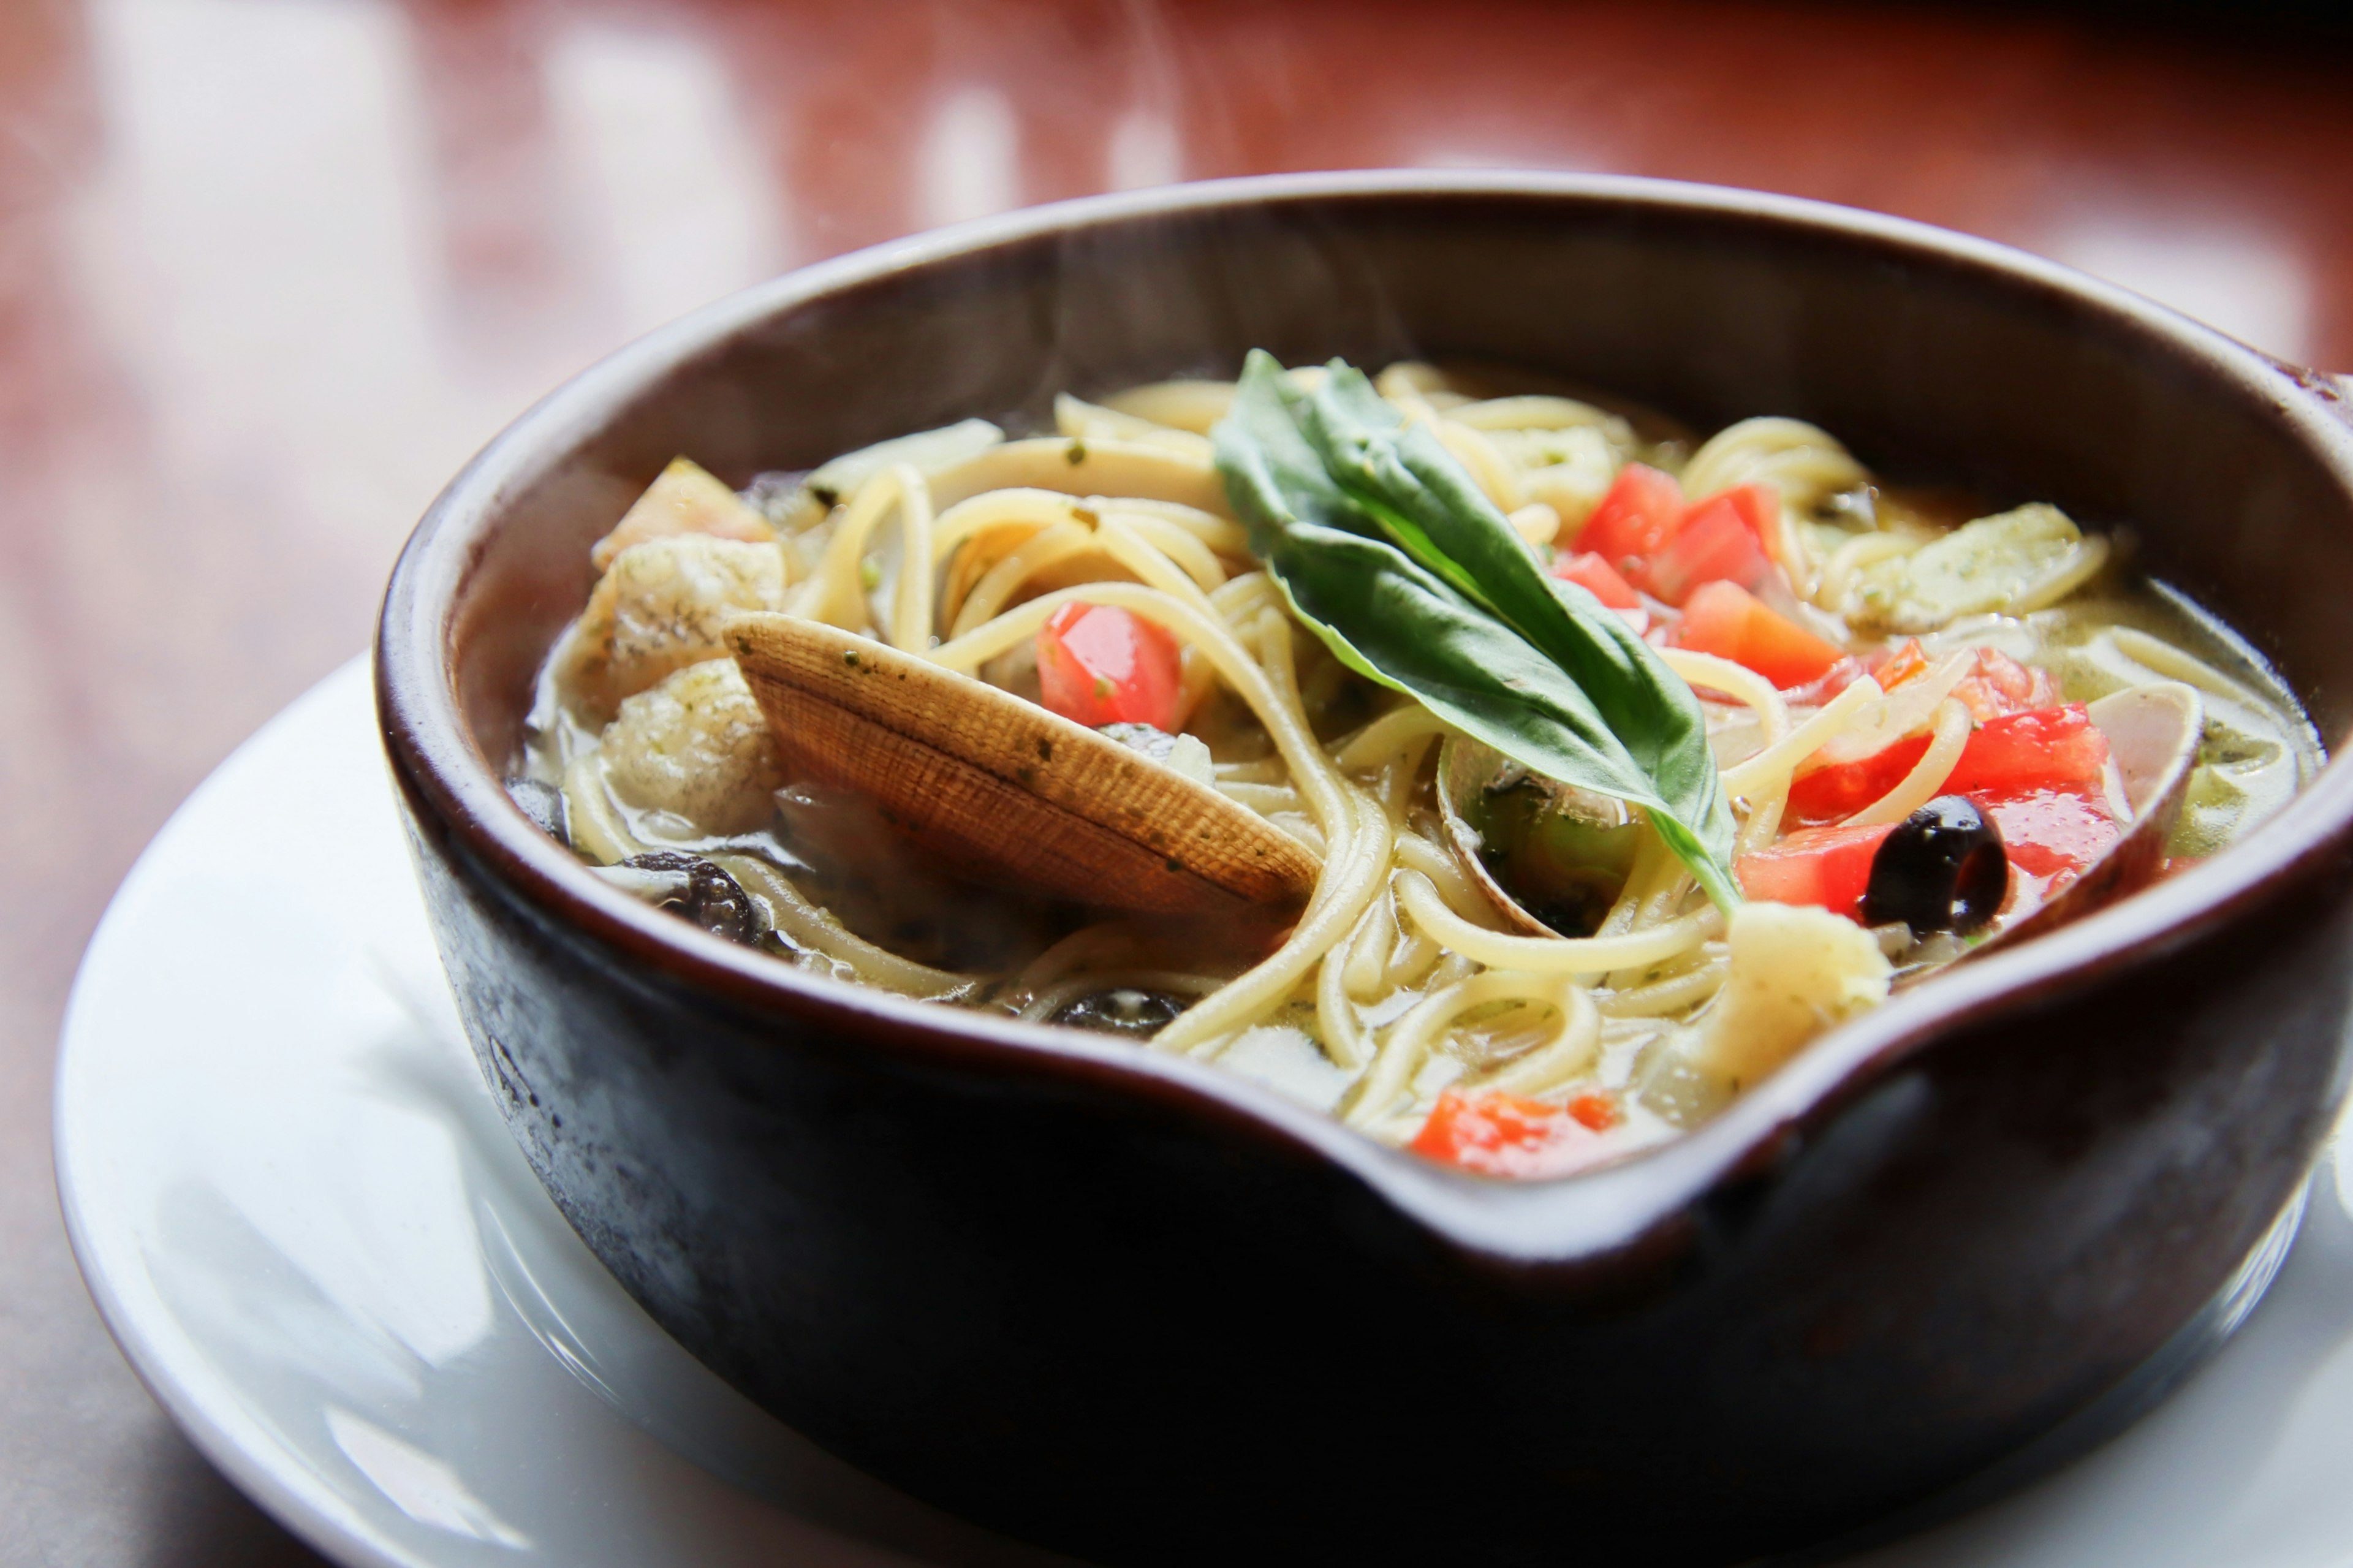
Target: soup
1623,763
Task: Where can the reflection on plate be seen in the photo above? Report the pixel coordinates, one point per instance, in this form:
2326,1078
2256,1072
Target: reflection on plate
302,1218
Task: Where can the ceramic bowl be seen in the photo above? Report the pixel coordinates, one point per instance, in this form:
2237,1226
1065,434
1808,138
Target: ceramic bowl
1145,1311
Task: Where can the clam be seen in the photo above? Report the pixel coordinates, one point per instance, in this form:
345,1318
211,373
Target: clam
1564,852
1003,790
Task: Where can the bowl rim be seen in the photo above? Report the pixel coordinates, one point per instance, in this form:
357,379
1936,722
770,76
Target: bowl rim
1585,1218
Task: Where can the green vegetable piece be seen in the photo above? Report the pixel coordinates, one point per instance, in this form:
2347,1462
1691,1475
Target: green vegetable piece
1992,565
1388,550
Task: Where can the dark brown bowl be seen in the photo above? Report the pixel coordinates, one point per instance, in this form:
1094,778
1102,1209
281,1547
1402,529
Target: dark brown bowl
1147,1312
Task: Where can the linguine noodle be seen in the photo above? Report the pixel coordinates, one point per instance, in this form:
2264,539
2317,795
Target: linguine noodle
1400,980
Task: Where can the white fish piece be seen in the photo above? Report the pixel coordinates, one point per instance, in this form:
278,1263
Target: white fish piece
683,498
657,609
696,745
1795,972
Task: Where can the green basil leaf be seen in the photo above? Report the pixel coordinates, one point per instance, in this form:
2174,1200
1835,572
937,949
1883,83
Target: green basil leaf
1428,504
1389,551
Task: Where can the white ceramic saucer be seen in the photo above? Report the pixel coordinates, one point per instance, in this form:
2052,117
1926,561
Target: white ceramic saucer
305,1222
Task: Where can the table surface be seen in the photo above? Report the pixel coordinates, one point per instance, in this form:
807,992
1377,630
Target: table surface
270,269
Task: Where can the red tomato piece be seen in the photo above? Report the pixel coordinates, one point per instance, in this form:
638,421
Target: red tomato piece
1825,867
1641,512
1098,664
1501,1134
1831,794
1758,506
1728,621
1715,544
1820,689
1996,684
1592,573
2054,833
2051,749
1597,1111
1906,663
2000,685
2047,749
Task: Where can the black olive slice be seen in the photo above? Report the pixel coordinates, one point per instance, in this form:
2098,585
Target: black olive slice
1942,868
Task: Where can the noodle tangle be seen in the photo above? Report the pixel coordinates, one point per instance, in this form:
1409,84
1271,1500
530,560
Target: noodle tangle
1400,983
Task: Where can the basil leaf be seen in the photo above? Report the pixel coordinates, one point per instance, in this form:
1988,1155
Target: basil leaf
1388,548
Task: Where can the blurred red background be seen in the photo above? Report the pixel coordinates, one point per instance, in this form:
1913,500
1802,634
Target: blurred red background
270,269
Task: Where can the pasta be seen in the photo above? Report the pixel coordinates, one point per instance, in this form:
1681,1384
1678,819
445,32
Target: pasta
1517,971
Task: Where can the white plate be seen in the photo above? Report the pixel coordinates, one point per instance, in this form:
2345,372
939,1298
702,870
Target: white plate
305,1222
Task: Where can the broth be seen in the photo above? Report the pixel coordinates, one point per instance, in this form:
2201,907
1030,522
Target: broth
1855,658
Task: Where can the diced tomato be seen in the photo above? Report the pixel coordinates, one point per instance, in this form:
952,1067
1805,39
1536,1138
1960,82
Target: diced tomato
2054,833
1597,1111
1640,513
1758,506
1646,533
1999,685
1907,663
1715,544
1590,571
1825,867
1996,684
1098,664
1501,1134
2048,835
1827,685
1727,620
2047,749
1839,791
